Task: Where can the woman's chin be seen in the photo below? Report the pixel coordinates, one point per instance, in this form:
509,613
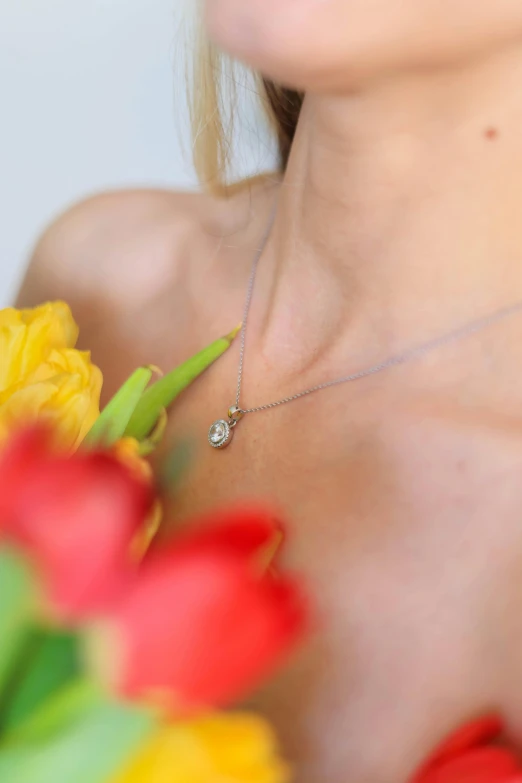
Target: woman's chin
304,44
337,45
278,39
241,26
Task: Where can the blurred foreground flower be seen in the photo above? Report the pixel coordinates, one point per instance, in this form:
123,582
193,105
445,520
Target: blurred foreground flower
76,517
42,377
196,622
205,620
220,748
472,755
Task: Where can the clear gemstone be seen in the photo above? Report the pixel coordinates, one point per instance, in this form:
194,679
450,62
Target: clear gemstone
217,432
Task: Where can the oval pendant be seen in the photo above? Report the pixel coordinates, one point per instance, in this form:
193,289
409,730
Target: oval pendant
220,434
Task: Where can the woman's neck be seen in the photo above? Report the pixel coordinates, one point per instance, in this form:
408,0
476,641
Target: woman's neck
400,215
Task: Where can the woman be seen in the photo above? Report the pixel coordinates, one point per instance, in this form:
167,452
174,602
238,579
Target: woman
397,223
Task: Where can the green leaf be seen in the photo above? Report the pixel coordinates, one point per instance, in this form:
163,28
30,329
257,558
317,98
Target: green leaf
16,606
80,737
114,418
162,393
63,707
51,660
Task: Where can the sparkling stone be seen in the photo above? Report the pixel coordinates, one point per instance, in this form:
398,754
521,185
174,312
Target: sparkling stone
217,432
220,434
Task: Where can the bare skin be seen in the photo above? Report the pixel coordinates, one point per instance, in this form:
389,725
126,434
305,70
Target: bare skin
403,491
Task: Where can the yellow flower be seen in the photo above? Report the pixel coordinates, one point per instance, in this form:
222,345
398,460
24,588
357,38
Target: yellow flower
220,748
28,336
42,376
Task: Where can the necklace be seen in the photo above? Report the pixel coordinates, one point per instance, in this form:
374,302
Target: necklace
221,431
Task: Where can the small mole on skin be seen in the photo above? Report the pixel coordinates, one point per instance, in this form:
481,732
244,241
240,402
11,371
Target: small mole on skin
491,133
461,465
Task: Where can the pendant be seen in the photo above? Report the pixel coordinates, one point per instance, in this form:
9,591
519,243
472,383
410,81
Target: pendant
221,432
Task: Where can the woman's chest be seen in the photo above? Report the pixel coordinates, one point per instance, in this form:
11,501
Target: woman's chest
363,482
406,532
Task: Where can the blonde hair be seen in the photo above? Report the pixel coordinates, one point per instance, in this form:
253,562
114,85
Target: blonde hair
213,102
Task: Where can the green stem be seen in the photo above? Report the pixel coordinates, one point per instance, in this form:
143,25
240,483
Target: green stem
161,394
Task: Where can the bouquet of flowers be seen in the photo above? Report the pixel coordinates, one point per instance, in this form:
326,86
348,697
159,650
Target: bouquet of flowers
121,651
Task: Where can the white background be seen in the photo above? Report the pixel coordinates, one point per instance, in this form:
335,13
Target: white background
91,97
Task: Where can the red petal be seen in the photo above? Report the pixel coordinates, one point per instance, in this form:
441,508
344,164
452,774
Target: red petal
202,627
477,732
244,530
27,448
481,765
76,517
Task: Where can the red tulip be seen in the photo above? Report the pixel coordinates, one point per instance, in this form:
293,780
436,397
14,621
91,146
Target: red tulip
468,757
206,620
75,516
483,765
473,735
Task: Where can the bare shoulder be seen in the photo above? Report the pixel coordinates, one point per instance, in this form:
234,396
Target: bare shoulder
123,241
135,267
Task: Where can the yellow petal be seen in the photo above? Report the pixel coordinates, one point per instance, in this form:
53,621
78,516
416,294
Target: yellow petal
64,390
27,337
127,450
220,748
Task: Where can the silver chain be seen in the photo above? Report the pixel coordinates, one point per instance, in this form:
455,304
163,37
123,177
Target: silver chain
394,361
